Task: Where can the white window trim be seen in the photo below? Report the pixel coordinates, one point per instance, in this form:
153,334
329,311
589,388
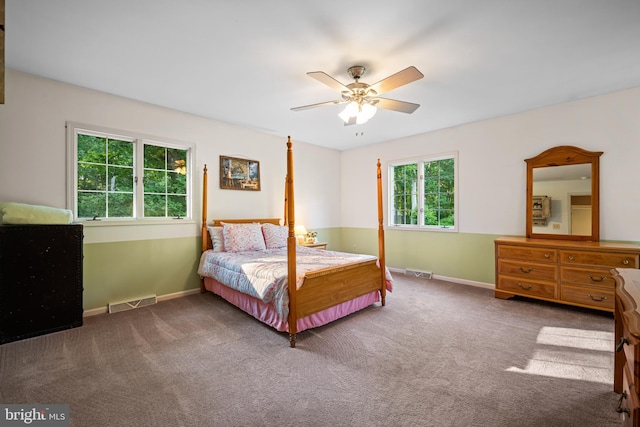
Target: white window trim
421,159
73,128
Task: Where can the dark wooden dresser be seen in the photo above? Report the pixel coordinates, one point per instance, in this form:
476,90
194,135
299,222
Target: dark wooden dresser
40,279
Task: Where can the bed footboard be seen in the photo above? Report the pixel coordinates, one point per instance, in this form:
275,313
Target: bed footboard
326,288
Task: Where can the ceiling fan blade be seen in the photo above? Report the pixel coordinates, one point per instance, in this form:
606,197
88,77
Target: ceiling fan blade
401,78
392,104
322,104
325,78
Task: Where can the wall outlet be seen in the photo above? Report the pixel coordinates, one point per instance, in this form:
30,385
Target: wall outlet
354,248
555,226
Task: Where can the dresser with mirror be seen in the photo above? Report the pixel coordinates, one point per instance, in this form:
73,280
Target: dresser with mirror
561,258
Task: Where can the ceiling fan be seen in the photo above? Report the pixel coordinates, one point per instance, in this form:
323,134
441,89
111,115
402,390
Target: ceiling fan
362,99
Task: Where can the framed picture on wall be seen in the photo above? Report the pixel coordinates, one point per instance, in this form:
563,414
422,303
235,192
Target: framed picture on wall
239,174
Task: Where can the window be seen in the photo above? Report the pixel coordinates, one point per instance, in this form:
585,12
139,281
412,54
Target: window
118,175
422,193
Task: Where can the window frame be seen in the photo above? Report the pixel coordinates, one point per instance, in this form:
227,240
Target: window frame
139,140
420,161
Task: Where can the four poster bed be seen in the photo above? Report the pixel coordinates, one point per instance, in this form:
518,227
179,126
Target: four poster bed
256,265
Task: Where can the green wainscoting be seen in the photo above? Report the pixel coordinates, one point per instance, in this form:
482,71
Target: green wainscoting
457,255
122,271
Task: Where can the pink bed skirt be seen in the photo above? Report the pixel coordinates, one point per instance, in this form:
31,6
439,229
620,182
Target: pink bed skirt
267,314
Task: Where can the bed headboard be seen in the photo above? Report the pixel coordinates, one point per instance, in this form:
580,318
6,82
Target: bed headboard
206,241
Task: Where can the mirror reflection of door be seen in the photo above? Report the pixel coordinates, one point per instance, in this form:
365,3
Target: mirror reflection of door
580,215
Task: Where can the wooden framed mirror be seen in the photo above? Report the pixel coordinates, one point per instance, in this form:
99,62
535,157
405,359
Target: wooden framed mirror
563,194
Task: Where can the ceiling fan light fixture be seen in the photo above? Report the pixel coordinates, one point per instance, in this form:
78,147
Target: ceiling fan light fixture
366,112
351,110
361,111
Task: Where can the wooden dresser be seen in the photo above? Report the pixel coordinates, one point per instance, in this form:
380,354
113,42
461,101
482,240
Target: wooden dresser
626,379
564,271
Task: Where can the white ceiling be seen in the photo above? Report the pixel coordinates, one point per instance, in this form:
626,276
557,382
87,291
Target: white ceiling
245,62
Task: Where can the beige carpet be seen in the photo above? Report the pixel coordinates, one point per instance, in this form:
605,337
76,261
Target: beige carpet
439,354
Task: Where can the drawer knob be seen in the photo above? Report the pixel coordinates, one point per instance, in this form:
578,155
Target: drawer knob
526,288
620,409
599,299
596,279
571,258
625,261
621,342
547,255
526,270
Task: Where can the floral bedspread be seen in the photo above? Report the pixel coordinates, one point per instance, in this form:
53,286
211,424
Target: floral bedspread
263,274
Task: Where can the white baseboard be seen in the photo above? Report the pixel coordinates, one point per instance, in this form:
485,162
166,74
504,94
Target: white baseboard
105,309
451,279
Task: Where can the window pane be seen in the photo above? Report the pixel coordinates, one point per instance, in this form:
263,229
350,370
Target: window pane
177,160
120,205
446,201
92,204
120,179
92,149
447,217
431,185
154,157
120,153
91,177
431,201
405,188
154,182
155,205
176,183
177,206
439,205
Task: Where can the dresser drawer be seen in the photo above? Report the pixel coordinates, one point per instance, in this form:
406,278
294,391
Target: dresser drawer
527,253
592,297
528,270
606,259
628,403
630,348
587,276
527,288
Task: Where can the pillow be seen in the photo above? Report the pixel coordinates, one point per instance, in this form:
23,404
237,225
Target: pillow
275,236
243,237
217,238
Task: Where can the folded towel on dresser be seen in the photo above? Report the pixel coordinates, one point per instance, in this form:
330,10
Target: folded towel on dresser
20,213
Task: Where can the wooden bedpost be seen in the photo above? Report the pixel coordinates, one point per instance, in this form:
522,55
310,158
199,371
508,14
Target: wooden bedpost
383,270
286,201
204,219
291,249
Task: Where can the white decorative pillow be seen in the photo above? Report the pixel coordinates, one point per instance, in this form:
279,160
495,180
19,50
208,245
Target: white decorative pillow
275,236
217,239
243,237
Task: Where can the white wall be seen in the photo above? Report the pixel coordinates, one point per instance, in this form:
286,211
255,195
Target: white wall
492,171
333,189
33,156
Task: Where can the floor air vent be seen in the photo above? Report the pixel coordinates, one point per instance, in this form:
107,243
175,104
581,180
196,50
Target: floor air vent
418,273
129,305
